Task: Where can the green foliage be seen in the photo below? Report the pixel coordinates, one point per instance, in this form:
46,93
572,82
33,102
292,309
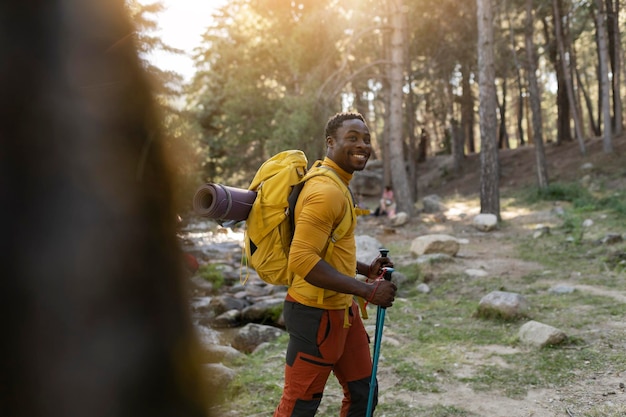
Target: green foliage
275,313
257,89
615,202
580,197
571,192
212,274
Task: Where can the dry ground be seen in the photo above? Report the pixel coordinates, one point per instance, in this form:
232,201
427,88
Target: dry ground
495,252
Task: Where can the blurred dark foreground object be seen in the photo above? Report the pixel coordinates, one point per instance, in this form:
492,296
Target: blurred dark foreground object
221,202
94,317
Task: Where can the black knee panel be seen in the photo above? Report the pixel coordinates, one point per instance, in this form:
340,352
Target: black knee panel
359,394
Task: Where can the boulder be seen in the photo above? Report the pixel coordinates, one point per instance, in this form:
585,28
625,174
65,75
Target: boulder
400,219
230,318
217,378
213,353
252,335
224,303
266,311
438,243
485,222
432,204
367,248
540,335
504,305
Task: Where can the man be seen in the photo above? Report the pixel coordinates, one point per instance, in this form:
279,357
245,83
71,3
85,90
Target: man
330,336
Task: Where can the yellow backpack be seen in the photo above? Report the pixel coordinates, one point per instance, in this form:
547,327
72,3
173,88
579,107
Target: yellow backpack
270,223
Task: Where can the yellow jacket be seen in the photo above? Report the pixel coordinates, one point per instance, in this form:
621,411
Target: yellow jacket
320,207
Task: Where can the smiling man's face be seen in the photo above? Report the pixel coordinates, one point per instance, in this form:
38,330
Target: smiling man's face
351,148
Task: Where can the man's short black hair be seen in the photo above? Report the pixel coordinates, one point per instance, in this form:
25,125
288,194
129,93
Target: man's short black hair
337,120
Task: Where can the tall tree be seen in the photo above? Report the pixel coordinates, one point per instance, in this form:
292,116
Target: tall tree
442,37
490,170
615,54
402,190
604,75
258,88
518,77
535,98
564,57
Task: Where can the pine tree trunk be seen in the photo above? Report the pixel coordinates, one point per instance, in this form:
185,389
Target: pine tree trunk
569,85
456,132
520,86
414,142
563,130
503,135
588,104
387,123
467,110
535,99
399,178
615,55
603,52
490,171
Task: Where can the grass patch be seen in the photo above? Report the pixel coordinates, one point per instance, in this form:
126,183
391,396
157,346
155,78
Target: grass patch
258,384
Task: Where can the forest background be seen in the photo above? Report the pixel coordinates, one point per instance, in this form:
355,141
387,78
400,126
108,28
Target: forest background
460,78
430,77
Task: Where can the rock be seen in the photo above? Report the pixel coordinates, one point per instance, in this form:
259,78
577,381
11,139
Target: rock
217,378
367,248
266,311
228,319
199,283
476,272
561,289
502,304
207,335
252,335
587,166
612,238
540,335
400,219
541,230
423,288
485,222
200,303
224,303
212,353
258,289
438,243
432,204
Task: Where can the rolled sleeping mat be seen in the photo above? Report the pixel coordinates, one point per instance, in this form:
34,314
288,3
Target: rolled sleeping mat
221,202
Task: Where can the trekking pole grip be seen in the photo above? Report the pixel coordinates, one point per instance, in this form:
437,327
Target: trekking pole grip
387,271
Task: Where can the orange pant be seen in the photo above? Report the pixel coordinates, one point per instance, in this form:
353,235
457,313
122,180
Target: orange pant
318,344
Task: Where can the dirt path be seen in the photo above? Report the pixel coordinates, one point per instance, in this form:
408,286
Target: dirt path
495,253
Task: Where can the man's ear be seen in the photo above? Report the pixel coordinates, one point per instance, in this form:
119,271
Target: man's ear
330,141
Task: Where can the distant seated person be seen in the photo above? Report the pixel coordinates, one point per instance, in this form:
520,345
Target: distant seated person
387,205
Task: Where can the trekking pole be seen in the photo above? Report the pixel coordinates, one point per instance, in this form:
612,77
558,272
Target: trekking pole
380,322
